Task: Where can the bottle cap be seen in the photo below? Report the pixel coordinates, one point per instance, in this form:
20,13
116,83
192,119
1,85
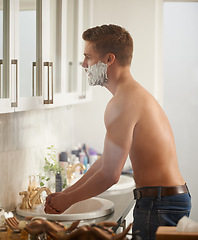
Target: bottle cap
92,151
63,157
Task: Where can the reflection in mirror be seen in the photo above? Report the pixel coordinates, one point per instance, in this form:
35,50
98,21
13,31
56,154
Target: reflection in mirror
71,45
55,43
27,48
1,48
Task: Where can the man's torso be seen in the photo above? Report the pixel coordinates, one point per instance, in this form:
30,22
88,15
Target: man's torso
153,152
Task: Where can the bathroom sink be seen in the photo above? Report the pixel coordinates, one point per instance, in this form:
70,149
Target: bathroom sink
87,209
124,183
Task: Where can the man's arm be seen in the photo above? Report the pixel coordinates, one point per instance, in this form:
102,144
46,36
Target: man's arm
117,145
95,167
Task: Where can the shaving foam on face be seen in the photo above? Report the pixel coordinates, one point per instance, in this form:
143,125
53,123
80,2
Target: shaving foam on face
97,74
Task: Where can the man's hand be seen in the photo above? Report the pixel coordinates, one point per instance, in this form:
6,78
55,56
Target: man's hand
56,203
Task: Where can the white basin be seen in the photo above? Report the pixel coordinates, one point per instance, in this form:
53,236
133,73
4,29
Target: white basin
87,209
124,183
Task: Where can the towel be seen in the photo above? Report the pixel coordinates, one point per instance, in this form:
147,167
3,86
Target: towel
186,224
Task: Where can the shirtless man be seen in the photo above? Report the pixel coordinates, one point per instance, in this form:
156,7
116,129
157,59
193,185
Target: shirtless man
136,126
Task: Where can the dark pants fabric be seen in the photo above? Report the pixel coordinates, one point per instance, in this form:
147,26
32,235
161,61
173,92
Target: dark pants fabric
152,212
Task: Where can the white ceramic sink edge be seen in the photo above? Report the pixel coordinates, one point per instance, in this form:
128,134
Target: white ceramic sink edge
125,182
88,209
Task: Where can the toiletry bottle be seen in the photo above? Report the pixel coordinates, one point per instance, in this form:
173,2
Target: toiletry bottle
92,156
81,157
59,184
77,169
63,161
85,149
85,162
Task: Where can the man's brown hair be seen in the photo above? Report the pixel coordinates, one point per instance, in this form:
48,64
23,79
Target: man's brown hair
111,39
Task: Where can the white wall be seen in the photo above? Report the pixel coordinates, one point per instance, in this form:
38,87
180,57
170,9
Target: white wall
139,18
24,138
181,87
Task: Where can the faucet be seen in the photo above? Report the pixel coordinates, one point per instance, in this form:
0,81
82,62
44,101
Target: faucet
70,171
36,198
30,199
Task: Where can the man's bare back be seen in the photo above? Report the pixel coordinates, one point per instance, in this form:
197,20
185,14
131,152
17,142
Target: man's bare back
153,153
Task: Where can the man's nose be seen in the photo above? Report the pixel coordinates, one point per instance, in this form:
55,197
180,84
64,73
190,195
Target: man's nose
84,64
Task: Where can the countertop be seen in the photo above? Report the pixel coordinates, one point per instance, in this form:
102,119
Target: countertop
123,202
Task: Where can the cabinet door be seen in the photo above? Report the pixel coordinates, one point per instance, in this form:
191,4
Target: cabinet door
27,44
5,67
84,22
78,19
51,52
18,79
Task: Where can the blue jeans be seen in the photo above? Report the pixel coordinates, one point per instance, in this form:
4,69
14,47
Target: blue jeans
152,212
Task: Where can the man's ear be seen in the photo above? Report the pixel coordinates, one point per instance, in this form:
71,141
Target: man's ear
110,58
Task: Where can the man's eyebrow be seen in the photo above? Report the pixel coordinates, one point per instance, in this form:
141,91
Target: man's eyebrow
87,55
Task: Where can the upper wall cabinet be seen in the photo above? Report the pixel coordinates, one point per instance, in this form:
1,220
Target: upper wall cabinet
5,59
41,51
78,18
18,79
26,42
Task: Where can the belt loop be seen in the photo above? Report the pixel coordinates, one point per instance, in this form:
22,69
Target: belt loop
159,193
137,194
187,189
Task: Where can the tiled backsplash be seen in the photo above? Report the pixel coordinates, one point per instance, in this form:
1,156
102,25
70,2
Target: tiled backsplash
24,137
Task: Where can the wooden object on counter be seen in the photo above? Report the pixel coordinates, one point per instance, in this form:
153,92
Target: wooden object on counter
10,235
170,233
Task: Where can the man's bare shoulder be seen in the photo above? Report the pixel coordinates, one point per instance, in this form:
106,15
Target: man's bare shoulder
126,103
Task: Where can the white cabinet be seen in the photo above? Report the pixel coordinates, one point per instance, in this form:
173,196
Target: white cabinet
78,19
27,45
19,56
41,50
5,56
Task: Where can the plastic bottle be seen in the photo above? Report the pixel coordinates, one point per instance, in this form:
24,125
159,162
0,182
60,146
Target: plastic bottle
85,162
63,161
59,184
81,157
92,156
84,148
77,169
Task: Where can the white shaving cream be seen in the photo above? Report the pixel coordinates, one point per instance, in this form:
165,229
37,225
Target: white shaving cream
97,74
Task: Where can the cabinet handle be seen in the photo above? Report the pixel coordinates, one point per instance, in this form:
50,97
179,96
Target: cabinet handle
48,65
83,89
14,62
1,63
70,77
33,66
